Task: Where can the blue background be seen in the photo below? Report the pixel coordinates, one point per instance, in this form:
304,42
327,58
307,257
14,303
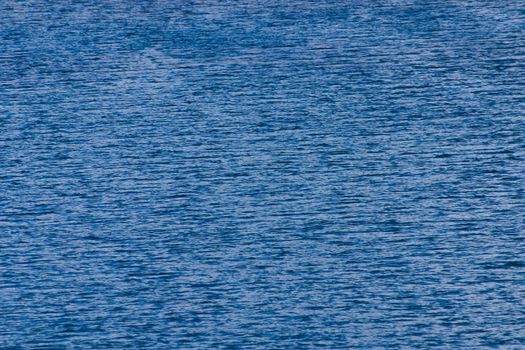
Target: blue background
262,174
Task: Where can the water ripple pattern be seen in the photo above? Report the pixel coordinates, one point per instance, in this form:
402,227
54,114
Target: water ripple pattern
262,174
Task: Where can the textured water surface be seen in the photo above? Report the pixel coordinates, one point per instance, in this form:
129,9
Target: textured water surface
262,175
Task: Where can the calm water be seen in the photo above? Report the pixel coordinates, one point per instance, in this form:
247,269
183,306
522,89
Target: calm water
262,175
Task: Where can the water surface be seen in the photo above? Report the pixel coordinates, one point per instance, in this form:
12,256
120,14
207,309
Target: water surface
262,175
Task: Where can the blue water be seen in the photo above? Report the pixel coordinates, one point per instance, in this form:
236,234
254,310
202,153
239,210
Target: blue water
262,174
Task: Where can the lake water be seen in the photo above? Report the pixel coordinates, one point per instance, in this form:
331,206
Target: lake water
262,174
